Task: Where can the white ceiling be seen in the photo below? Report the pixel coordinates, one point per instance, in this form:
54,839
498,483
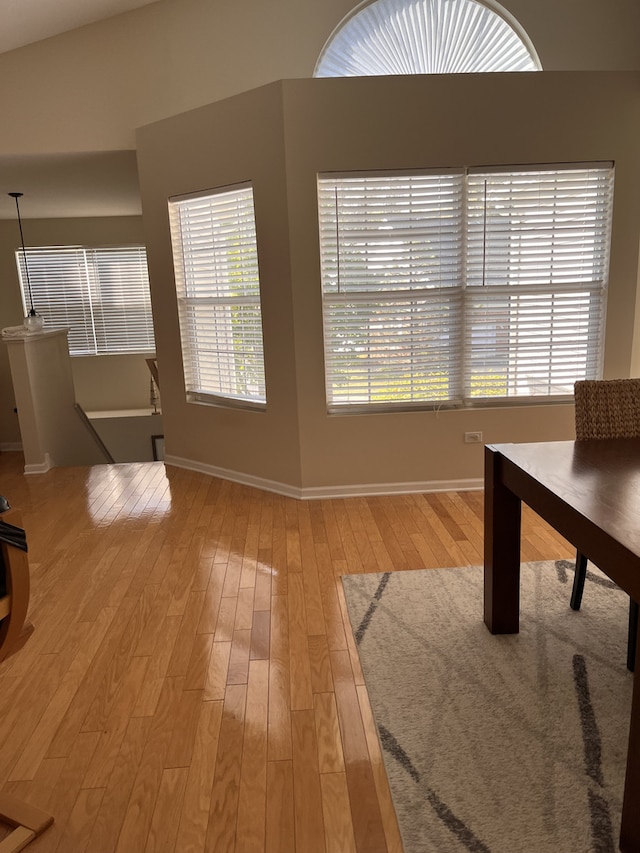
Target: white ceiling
65,185
25,21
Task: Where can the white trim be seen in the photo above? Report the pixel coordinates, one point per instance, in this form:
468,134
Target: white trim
10,446
516,26
380,489
20,333
201,194
355,490
39,467
121,413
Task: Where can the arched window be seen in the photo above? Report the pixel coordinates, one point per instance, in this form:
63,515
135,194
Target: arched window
427,37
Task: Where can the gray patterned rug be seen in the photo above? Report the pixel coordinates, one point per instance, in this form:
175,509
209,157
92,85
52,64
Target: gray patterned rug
497,744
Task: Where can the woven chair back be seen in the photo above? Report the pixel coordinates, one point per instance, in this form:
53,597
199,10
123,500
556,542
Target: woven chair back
607,408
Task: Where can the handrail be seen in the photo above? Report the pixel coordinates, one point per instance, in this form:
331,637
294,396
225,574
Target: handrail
87,422
152,364
154,389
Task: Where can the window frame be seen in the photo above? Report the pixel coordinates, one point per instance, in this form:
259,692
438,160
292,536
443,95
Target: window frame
201,373
92,305
467,291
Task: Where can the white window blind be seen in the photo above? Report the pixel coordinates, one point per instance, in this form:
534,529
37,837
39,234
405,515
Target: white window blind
537,266
391,249
445,288
218,290
100,294
426,37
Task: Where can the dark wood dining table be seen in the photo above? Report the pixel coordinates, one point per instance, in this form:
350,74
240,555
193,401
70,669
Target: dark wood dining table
589,491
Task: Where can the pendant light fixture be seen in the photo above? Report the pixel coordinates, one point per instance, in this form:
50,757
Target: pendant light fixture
33,321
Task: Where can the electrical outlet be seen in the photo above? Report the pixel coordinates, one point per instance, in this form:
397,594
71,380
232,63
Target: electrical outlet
473,438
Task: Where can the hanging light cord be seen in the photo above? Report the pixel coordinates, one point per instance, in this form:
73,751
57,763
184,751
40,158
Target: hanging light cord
16,196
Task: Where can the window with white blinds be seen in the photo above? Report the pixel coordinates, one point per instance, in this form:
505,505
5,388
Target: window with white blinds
218,289
100,294
463,286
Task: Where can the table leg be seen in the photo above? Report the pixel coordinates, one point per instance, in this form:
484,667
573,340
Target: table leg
502,521
630,828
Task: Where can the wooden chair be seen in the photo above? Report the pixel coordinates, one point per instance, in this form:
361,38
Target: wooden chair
606,408
27,821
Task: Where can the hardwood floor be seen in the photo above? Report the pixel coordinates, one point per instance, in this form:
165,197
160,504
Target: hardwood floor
192,683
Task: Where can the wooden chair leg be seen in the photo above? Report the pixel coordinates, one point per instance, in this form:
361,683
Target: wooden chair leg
28,821
633,635
578,581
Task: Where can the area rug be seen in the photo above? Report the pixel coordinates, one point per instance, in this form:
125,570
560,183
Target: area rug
497,744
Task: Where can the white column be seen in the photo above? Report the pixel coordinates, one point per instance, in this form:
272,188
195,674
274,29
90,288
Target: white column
51,429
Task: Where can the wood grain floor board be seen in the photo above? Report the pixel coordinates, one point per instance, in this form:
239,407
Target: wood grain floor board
361,538
337,813
194,818
299,658
308,816
138,816
198,667
389,821
115,726
280,822
66,792
279,718
334,624
166,815
252,796
223,811
113,808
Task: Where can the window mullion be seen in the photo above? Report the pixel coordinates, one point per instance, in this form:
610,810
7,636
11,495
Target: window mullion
91,283
464,388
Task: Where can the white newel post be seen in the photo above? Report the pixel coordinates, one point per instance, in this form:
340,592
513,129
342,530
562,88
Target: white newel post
52,433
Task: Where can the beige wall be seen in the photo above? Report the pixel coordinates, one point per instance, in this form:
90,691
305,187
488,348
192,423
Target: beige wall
102,382
89,89
129,439
238,139
280,137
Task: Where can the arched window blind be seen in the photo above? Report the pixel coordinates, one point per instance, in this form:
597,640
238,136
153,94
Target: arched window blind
427,37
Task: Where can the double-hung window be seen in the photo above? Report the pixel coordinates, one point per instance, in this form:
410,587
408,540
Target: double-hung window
100,294
463,286
218,291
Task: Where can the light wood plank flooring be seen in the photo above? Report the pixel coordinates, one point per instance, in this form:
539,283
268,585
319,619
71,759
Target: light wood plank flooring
192,683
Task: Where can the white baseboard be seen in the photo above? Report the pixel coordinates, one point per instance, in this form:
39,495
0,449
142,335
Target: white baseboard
39,467
315,492
10,446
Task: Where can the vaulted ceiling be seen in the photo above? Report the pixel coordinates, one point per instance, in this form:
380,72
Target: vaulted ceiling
91,184
25,21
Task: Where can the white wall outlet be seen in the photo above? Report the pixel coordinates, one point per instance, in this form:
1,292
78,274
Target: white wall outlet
473,438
